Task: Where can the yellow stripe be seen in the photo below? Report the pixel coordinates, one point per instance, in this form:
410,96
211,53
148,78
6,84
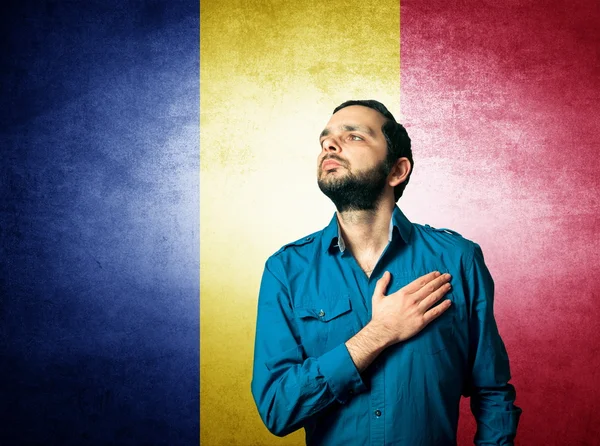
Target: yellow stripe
271,72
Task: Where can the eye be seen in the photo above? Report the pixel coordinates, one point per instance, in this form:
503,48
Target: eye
356,138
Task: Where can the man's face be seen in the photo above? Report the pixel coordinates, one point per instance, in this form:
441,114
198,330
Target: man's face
352,168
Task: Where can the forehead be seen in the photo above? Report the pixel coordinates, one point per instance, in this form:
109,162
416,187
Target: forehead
356,116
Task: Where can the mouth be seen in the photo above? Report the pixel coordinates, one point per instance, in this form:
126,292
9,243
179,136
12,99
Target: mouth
330,164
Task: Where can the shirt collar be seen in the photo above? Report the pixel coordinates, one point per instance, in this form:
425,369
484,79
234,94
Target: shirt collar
332,236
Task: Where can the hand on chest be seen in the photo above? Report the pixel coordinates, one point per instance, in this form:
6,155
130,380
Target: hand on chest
342,307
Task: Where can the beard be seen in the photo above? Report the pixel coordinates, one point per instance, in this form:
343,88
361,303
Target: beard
356,192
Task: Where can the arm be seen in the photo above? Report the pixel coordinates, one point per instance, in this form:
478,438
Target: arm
287,386
366,345
492,398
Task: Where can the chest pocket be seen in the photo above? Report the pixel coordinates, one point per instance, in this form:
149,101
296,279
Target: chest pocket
439,334
325,323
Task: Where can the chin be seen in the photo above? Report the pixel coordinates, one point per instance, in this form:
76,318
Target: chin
325,173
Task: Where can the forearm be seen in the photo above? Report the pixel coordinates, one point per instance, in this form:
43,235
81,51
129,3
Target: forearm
496,415
492,397
366,345
286,395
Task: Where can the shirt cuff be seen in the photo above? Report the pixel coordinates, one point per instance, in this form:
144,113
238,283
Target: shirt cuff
341,374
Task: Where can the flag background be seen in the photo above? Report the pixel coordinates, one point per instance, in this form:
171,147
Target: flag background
503,98
271,74
99,221
501,103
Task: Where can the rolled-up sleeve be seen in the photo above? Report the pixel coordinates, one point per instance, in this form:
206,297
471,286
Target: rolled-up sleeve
287,386
492,397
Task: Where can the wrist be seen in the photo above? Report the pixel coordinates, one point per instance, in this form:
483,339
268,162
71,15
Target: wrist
378,334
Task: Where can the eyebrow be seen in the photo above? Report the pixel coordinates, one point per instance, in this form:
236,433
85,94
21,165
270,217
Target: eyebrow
350,128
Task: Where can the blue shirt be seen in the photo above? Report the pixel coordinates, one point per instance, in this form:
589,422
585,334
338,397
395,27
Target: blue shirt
314,297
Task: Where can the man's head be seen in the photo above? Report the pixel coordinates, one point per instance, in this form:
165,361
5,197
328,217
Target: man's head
365,156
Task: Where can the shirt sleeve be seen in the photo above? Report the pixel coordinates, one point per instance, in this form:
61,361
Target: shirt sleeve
492,397
287,386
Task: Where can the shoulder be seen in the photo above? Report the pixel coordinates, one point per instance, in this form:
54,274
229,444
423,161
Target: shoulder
448,240
443,235
468,252
304,243
293,256
446,230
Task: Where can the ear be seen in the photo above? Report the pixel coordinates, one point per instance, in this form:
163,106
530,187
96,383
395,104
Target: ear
399,172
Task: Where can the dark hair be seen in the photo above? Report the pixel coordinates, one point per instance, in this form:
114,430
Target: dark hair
398,142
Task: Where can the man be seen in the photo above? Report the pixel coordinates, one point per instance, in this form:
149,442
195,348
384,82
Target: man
369,331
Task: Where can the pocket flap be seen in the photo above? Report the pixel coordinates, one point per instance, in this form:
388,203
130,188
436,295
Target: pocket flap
325,311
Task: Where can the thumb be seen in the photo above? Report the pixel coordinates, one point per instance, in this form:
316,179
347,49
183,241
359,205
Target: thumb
382,285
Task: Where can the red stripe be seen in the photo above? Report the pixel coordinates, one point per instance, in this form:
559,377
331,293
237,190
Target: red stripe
509,93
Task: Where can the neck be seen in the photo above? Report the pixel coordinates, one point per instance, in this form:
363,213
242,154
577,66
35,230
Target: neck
366,232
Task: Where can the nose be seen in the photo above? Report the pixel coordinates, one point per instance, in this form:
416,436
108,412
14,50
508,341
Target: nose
330,145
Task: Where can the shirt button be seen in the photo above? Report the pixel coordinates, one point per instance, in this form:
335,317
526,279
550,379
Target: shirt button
377,413
321,313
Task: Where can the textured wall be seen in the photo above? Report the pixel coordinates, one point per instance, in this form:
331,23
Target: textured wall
99,190
99,223
271,74
502,103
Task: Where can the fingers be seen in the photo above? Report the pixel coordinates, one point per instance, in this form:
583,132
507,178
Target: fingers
417,284
434,296
382,284
431,287
436,311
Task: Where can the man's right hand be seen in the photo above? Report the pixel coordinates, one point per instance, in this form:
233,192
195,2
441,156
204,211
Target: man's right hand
401,315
